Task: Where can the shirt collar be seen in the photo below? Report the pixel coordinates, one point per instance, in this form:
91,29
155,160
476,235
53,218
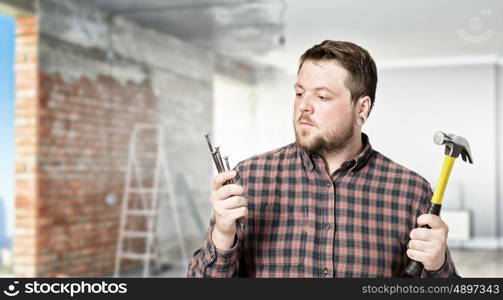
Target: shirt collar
354,164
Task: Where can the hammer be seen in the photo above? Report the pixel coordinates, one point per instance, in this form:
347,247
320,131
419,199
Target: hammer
454,146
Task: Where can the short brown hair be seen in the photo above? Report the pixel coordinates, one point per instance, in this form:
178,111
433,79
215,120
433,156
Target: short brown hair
361,68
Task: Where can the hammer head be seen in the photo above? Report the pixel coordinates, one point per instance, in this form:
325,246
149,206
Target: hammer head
454,145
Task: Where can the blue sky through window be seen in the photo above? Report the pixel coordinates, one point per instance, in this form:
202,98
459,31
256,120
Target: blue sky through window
7,30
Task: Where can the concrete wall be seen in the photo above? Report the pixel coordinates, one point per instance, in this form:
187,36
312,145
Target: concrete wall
99,76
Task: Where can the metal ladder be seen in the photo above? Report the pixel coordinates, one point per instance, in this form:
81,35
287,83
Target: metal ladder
145,208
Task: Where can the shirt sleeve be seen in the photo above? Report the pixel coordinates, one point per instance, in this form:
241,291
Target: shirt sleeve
209,261
448,270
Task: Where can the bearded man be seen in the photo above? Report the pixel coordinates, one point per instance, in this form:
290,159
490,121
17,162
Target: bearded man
328,205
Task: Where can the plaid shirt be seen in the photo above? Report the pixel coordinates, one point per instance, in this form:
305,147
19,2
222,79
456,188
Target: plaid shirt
304,222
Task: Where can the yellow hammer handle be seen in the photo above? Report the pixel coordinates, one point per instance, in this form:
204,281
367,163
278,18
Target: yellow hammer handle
438,195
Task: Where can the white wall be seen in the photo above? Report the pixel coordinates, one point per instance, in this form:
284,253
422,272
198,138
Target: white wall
276,97
253,118
499,119
413,103
234,122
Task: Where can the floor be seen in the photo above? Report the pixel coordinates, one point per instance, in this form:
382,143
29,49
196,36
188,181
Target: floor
478,263
469,263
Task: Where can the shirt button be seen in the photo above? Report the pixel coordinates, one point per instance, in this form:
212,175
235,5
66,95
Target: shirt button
329,184
325,271
327,227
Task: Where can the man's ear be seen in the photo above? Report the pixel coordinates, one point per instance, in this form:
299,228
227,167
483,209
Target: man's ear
363,106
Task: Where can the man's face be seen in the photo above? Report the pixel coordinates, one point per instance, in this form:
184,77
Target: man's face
324,115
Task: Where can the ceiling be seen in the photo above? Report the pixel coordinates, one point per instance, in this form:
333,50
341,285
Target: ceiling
227,26
390,29
395,30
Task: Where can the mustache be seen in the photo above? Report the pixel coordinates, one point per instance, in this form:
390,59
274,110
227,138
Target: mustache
306,119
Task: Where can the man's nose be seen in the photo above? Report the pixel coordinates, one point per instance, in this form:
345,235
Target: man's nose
306,103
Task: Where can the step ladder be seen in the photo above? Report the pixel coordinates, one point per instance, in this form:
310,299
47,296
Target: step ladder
141,203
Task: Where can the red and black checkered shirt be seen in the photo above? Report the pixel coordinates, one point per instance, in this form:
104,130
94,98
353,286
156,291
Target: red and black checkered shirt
304,222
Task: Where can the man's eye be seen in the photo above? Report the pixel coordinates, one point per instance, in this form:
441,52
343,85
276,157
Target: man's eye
322,97
298,94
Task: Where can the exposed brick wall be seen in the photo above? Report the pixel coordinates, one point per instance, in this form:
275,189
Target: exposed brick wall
75,111
72,143
26,140
85,128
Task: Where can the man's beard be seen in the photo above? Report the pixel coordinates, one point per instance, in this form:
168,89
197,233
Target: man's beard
333,140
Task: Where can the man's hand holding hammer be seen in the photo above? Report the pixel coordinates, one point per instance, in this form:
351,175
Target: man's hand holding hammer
428,245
